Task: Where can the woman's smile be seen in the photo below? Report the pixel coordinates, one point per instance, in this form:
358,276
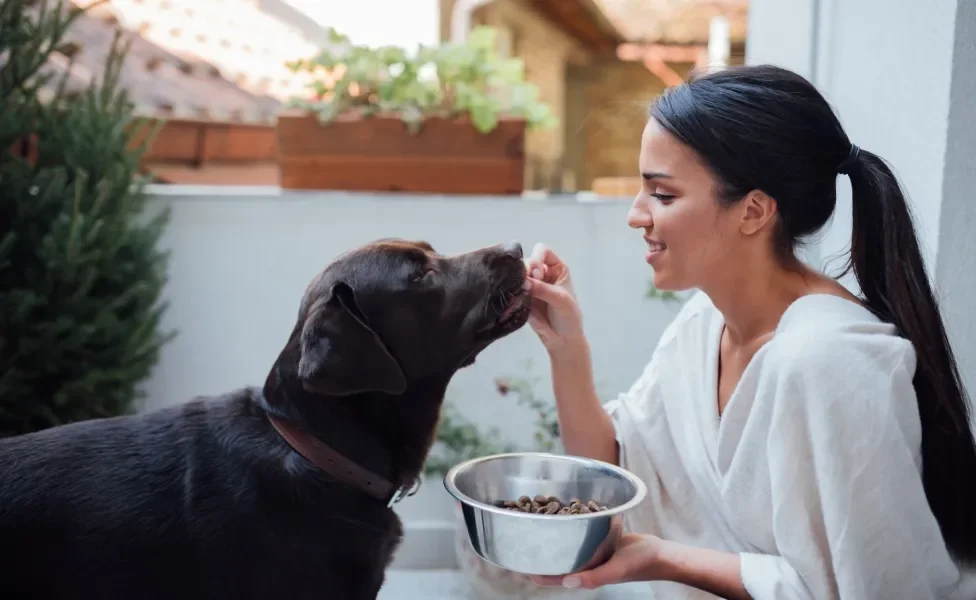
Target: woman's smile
654,250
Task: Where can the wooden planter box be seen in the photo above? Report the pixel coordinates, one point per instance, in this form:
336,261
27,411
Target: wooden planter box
447,156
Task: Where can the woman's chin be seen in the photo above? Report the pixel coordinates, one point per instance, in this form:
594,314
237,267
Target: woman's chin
665,283
661,281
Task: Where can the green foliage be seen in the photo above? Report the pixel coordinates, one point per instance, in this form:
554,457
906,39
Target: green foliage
448,80
80,275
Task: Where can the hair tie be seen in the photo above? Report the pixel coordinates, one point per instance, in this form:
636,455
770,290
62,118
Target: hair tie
850,162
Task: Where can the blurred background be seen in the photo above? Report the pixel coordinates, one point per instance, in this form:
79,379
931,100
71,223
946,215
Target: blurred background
168,191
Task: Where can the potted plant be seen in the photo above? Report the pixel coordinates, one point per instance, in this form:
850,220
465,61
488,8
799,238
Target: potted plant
447,119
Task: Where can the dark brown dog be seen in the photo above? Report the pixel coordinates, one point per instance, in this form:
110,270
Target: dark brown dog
210,499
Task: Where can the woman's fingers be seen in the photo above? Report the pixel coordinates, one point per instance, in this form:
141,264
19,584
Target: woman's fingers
536,269
551,294
545,255
547,580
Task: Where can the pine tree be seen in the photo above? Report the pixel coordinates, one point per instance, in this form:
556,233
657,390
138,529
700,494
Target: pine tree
81,276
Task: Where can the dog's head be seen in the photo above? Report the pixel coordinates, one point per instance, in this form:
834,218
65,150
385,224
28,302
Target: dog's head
395,312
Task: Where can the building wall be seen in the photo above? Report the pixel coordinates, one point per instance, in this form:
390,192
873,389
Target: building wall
606,121
617,94
547,52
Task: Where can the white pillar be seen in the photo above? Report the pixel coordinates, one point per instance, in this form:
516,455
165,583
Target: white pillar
902,76
781,32
956,250
718,42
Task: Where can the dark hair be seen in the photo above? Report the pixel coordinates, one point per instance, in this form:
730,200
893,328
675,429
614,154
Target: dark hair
766,128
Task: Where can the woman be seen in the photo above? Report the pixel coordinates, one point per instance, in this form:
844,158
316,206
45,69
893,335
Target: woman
797,441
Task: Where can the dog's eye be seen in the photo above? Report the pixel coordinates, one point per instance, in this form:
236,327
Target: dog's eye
420,274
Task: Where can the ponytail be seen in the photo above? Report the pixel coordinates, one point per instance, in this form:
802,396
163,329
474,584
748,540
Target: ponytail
889,268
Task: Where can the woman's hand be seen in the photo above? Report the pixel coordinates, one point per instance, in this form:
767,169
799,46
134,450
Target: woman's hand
555,316
636,559
649,558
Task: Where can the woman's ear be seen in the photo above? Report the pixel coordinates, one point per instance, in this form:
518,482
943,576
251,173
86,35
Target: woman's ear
758,212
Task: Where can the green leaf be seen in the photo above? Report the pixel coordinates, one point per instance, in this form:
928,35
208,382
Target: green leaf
484,117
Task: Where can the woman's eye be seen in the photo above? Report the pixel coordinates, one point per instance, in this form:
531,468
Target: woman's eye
662,196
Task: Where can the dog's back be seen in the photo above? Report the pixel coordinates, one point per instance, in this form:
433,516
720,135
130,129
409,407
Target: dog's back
173,502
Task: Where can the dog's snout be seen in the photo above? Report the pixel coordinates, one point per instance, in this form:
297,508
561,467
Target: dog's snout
512,248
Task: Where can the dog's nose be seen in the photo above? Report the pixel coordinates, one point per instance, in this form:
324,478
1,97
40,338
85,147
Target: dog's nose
513,248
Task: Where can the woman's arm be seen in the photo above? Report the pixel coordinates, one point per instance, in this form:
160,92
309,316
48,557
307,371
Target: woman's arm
585,428
719,573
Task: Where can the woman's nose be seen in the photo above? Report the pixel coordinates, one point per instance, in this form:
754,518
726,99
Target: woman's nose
638,217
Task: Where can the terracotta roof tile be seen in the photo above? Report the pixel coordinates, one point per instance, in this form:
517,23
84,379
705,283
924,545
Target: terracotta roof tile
158,81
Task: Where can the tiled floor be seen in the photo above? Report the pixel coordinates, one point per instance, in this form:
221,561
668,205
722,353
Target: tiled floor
450,585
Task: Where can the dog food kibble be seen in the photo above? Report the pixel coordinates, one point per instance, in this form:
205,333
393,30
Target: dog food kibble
550,505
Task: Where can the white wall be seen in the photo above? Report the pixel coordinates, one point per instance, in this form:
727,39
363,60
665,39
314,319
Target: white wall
242,257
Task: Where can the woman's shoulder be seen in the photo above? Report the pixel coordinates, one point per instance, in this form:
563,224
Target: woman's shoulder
816,331
833,361
827,327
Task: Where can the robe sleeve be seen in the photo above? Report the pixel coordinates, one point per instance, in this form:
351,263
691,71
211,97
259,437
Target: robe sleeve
619,408
641,392
850,515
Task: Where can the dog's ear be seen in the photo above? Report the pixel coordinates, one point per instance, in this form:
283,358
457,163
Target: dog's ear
340,354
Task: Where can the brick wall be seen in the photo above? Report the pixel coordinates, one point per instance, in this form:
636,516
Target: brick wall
607,123
546,52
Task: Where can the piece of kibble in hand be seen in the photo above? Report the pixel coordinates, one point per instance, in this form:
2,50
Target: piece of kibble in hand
551,505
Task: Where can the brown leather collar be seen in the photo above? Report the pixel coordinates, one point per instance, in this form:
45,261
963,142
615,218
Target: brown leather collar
340,467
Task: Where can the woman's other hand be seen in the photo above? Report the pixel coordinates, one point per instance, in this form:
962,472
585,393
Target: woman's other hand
636,559
641,557
555,316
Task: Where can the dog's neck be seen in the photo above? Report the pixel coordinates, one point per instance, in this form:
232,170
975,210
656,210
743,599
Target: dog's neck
378,432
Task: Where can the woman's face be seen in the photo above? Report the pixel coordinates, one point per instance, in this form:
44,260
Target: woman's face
690,236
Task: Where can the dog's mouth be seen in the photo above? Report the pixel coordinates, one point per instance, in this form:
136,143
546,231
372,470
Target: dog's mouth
511,307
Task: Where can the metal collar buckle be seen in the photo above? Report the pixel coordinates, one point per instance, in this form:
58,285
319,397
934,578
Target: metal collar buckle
403,492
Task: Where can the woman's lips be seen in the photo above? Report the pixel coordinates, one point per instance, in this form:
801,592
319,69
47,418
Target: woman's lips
654,249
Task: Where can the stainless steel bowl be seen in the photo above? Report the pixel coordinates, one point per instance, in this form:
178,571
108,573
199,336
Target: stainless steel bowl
538,544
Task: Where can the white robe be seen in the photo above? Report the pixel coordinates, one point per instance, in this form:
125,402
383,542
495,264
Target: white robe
812,473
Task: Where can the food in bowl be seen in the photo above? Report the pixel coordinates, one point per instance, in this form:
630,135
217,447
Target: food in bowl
550,505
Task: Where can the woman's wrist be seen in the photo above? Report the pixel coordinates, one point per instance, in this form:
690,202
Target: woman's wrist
570,354
719,573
